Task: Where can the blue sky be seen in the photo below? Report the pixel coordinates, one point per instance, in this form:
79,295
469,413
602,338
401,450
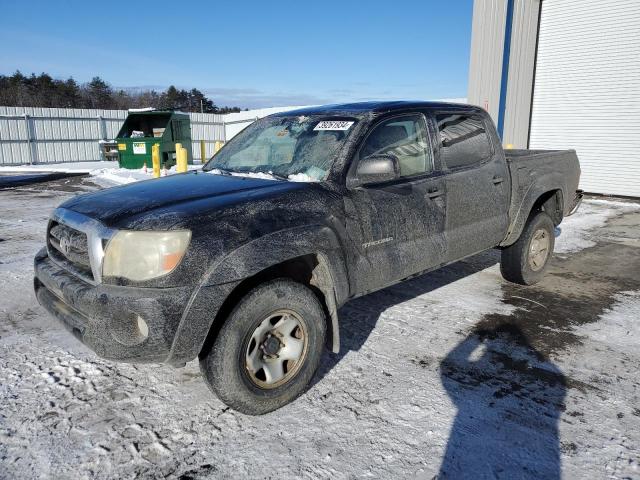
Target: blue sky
245,53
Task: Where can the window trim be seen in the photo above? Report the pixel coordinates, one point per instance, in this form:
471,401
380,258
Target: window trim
483,161
355,159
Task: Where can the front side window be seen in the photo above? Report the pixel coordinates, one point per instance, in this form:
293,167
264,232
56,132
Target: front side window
300,148
404,137
463,140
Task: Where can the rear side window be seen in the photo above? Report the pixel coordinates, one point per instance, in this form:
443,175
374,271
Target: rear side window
463,140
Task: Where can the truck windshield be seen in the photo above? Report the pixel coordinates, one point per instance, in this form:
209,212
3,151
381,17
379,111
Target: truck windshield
300,148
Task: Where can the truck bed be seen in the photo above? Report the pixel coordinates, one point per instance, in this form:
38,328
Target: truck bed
523,155
542,170
551,168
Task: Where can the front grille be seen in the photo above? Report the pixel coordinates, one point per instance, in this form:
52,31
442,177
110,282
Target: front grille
69,247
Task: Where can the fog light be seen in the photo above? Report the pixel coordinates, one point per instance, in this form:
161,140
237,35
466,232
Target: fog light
129,329
143,328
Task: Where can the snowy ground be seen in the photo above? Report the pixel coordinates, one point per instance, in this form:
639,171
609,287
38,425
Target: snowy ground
69,167
456,373
105,174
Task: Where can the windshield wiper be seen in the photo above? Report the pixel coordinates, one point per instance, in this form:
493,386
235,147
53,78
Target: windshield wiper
245,173
262,172
221,171
276,175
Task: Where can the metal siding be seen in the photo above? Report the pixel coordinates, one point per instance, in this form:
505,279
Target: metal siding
504,78
485,63
521,68
587,90
207,127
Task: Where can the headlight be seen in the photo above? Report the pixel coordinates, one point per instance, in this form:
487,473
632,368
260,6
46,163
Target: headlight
139,255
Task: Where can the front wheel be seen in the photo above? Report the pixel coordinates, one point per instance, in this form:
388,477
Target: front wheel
525,262
268,349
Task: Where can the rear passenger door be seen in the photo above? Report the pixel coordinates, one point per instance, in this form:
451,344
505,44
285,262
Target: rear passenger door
476,179
397,227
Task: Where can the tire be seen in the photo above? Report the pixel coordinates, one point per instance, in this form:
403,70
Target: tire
247,356
518,261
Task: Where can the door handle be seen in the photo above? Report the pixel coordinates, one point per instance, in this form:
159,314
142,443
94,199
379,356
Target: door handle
498,179
434,193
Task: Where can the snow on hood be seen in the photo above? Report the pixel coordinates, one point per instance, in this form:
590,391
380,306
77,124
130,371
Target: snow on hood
302,177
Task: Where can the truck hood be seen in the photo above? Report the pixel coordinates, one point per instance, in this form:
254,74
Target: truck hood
173,194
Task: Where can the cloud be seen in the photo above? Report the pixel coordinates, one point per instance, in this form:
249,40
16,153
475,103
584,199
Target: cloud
254,98
245,97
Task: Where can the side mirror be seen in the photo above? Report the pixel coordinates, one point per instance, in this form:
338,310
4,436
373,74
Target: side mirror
376,169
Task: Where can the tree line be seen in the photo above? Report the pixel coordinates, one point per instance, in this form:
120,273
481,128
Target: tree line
42,90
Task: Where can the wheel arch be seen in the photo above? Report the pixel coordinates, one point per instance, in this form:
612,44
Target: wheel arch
552,203
311,256
312,270
549,200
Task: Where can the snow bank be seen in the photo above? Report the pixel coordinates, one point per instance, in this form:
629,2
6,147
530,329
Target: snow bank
71,167
122,176
109,172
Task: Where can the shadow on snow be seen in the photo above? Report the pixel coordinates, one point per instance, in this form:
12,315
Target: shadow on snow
508,395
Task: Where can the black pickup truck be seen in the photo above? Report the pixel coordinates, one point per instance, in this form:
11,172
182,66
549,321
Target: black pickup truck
245,262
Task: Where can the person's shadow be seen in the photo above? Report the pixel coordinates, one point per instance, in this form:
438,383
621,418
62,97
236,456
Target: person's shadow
509,400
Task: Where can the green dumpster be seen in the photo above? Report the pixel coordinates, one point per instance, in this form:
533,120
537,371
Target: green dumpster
141,130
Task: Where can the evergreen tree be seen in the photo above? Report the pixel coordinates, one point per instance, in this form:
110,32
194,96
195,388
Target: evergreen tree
99,94
42,90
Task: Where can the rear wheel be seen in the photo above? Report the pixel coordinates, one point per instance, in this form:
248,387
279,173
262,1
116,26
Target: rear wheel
268,349
525,262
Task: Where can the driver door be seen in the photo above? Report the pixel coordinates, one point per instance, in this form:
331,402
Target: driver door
397,227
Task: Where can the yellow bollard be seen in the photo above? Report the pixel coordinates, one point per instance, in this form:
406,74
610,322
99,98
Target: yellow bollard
218,146
181,160
509,146
155,158
203,152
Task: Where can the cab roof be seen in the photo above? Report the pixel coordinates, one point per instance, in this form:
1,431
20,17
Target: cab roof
363,108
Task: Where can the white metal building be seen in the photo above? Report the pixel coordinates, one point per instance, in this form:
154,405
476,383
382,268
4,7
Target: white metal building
564,74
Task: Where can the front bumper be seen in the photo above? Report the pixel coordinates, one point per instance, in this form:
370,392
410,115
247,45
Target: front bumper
107,318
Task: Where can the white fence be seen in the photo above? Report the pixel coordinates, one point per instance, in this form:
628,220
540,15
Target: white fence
52,135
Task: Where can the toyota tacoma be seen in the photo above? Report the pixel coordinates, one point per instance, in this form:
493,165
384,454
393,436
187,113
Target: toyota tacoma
245,262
